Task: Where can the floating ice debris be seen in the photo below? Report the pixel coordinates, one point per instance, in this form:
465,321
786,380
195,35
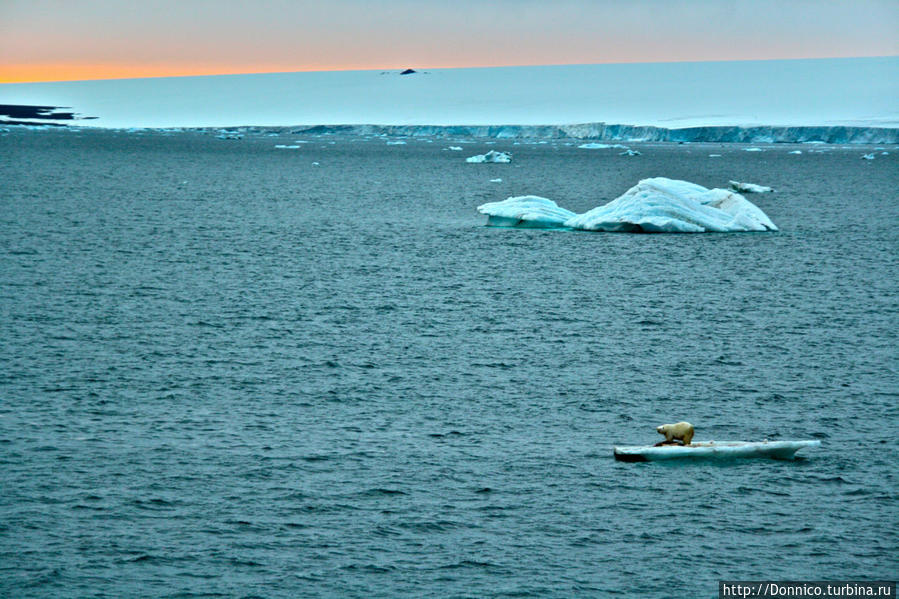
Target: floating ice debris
662,205
454,148
630,152
491,156
496,180
283,147
753,150
532,212
714,155
749,187
868,156
597,146
884,153
315,164
795,152
223,135
396,143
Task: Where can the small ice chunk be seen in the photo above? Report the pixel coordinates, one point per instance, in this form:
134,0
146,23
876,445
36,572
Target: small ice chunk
662,205
532,212
491,156
868,156
753,150
396,143
455,148
496,180
283,147
630,152
884,153
749,187
714,155
795,152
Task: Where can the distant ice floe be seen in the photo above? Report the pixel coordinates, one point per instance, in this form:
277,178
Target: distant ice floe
750,187
753,150
396,143
868,156
491,156
795,152
598,146
531,212
496,180
657,205
455,148
284,147
630,152
714,155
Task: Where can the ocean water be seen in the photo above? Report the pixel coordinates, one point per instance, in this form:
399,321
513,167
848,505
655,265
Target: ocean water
230,372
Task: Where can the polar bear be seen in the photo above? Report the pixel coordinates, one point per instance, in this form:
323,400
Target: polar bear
681,431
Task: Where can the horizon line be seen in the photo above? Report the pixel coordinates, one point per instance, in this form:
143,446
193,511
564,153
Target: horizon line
6,81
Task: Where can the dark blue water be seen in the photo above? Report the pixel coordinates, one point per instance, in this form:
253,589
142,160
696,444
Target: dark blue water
229,372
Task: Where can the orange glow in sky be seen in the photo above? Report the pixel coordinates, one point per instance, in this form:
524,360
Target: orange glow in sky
27,73
49,40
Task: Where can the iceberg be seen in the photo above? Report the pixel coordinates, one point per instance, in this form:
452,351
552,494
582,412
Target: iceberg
531,212
661,205
750,187
491,156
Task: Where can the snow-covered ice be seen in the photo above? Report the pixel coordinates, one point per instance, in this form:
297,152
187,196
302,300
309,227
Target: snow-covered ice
661,205
657,205
491,156
531,212
749,187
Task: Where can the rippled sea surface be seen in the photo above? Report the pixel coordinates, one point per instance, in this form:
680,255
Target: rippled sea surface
230,372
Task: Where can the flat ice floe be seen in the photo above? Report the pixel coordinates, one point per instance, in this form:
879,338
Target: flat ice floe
661,205
491,156
598,146
532,212
656,205
750,187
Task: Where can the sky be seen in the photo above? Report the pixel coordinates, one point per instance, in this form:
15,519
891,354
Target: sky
56,40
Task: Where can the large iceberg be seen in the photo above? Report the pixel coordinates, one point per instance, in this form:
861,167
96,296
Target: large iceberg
531,212
661,205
